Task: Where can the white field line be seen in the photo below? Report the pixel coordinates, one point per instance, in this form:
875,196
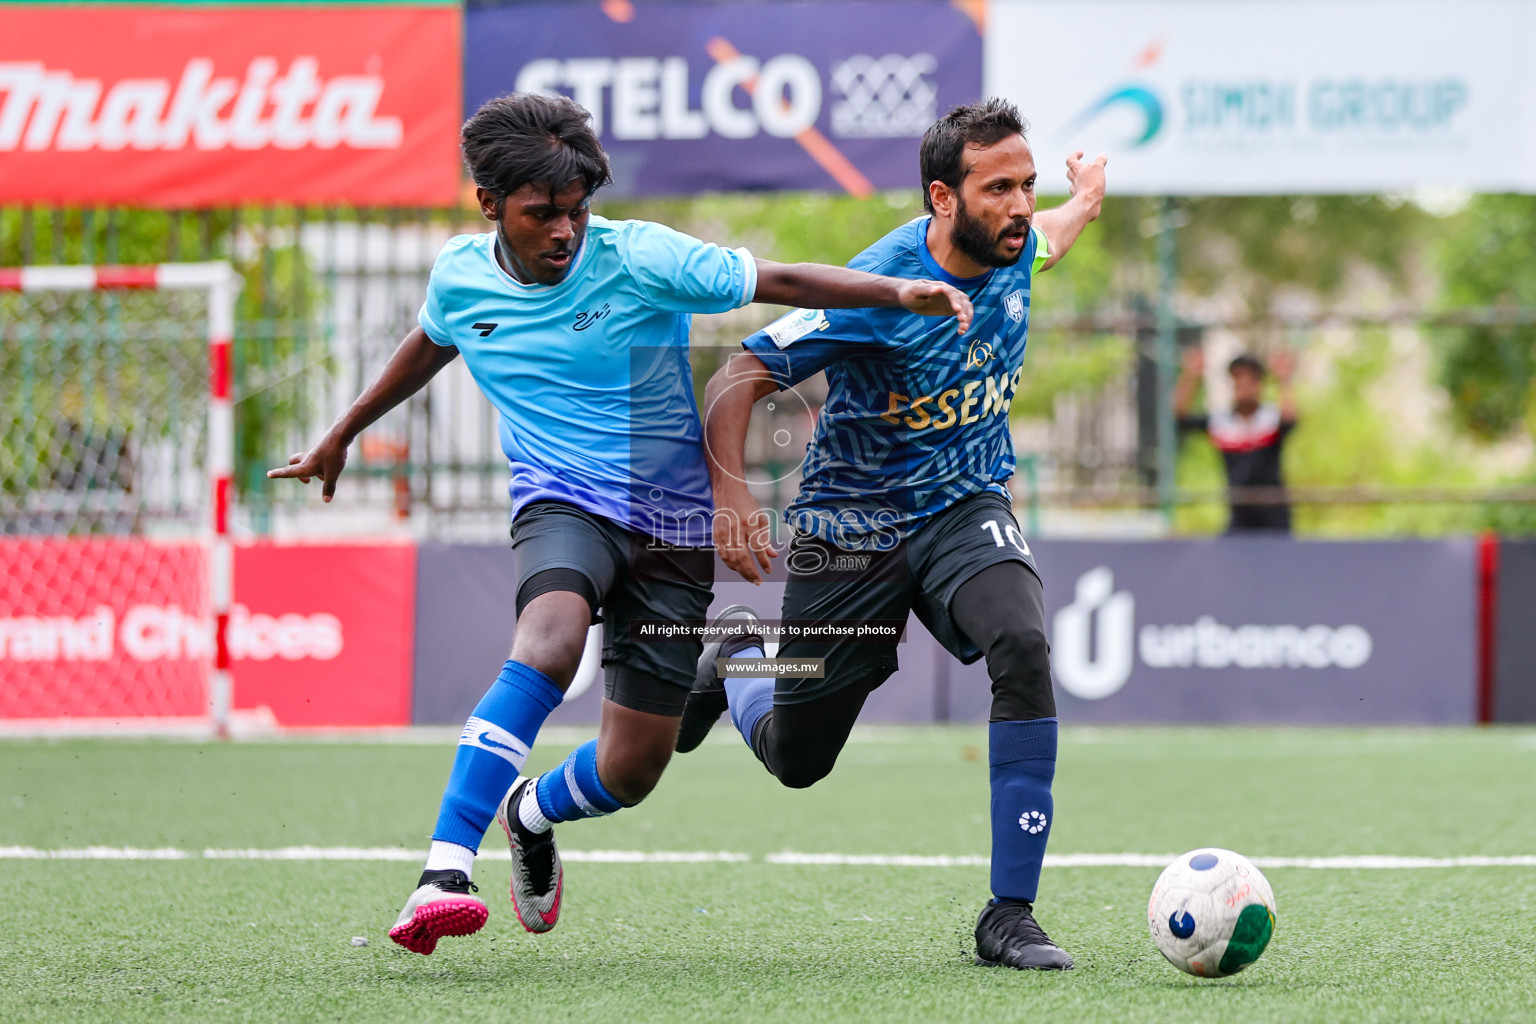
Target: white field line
1052,860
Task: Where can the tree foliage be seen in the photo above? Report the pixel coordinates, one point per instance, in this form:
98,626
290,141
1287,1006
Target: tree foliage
1488,264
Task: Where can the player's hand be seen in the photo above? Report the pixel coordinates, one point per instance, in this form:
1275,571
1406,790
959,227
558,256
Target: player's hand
935,298
1194,361
1086,178
1283,362
325,461
743,533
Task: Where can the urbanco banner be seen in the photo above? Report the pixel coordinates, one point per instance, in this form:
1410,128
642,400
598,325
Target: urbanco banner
1193,97
696,97
192,105
1262,630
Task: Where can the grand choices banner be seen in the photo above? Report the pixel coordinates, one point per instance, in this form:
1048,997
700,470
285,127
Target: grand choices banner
689,97
115,628
1273,96
189,105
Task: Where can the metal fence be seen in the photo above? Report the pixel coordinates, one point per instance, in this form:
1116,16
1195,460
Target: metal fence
329,293
103,412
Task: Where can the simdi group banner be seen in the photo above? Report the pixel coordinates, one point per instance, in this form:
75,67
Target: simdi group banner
690,97
189,105
1200,97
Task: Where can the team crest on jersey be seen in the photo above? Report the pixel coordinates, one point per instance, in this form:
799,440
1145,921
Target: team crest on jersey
979,354
1013,305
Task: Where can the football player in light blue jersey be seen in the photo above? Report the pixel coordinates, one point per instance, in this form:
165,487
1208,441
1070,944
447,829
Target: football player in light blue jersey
576,329
903,504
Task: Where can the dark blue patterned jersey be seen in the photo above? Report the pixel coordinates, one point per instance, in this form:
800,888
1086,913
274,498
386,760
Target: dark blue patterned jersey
916,416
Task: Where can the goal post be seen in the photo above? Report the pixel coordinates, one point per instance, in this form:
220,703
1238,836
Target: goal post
96,491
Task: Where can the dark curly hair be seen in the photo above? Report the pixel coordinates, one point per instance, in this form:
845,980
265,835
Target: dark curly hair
1249,363
520,138
977,124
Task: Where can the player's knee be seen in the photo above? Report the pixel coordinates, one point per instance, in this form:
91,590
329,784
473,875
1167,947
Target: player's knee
632,783
803,774
1021,649
1019,663
557,656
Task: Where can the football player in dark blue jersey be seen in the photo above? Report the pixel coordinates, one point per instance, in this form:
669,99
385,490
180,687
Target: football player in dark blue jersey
903,505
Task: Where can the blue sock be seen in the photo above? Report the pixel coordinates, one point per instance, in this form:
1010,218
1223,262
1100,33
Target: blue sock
1023,760
574,791
492,748
750,699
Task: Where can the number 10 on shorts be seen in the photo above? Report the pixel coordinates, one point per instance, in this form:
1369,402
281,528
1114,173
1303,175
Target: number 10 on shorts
1011,531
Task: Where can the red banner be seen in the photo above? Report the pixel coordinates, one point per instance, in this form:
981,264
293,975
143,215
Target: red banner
205,106
117,629
323,635
102,629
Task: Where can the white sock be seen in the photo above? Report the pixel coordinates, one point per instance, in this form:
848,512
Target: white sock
451,857
528,810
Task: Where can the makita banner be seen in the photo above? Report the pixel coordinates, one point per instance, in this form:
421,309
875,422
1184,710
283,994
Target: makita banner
693,97
320,635
197,106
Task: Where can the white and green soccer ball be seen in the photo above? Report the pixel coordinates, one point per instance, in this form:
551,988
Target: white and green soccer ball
1211,912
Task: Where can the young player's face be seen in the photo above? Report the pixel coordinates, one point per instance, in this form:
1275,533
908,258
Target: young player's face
540,229
996,203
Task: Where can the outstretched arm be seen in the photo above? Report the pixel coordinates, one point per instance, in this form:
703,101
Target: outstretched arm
1189,379
742,527
1062,225
1284,365
816,286
414,363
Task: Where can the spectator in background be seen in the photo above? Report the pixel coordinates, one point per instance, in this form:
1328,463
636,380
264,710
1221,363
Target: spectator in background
1249,435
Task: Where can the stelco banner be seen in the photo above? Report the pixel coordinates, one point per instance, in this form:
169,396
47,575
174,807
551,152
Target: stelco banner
1272,96
194,106
691,97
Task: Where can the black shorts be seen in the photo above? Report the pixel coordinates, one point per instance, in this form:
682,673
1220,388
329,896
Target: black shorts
634,577
921,574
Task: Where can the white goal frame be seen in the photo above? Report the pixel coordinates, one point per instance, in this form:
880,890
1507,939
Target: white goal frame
218,280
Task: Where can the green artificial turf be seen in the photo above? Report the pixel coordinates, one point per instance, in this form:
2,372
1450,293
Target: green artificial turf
201,939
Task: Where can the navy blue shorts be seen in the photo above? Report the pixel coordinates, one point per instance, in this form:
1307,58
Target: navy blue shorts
921,574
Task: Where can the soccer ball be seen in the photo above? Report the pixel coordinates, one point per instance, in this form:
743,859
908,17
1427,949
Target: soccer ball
1211,913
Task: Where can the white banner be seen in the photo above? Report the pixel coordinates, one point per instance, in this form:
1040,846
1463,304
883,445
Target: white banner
1194,97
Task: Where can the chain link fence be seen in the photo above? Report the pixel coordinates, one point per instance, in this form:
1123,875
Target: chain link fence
103,412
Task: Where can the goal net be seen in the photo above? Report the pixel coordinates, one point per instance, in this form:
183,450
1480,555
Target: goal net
116,448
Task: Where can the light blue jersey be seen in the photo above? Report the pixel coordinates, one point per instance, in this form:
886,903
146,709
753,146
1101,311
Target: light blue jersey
591,375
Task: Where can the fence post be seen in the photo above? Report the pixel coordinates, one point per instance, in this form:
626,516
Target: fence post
1167,357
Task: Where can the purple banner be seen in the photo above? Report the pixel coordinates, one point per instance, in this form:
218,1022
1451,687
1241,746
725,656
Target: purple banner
1514,690
1251,630
699,97
1263,630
